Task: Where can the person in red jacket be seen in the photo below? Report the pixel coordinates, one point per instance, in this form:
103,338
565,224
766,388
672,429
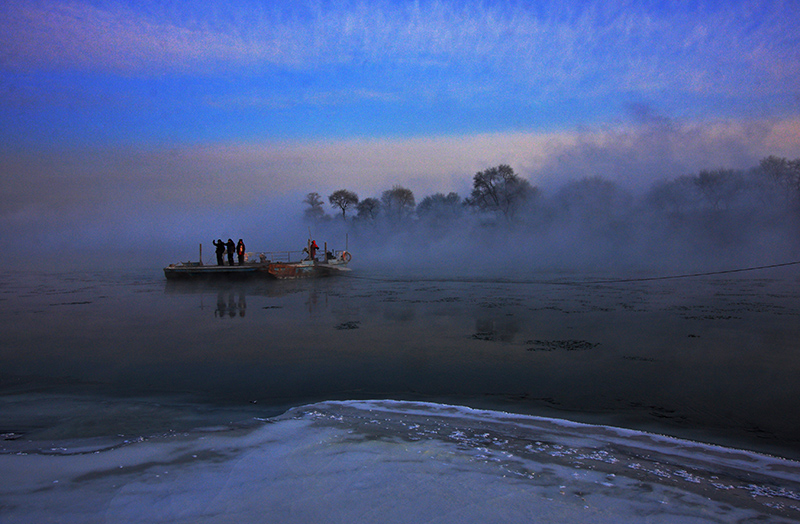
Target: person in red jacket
313,250
240,251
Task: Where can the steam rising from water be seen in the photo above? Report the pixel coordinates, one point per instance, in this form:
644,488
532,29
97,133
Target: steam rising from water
598,205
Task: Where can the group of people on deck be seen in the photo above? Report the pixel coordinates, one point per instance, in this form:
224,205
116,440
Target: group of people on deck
230,248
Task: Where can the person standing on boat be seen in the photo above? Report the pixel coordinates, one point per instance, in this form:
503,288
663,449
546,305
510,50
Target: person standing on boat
231,248
220,245
240,251
313,249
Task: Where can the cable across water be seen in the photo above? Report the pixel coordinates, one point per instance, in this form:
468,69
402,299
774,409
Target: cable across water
478,280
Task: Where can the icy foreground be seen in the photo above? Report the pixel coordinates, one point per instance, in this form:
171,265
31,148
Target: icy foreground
387,461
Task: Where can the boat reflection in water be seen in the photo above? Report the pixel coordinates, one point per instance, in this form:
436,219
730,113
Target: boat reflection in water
232,294
229,306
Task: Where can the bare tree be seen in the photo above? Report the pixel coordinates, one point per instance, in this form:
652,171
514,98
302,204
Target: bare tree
719,187
500,190
314,212
343,199
673,197
784,175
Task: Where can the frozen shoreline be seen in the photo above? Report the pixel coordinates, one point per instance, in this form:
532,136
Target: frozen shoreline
400,462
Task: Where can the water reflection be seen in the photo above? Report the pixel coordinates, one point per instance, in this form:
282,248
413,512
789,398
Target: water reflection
494,329
232,295
228,306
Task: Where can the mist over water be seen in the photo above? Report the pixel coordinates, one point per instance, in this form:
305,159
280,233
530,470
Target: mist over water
632,238
614,205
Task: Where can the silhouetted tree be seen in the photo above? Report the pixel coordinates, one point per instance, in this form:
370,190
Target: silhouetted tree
673,196
314,211
343,199
782,170
398,202
783,175
500,190
439,208
368,208
719,187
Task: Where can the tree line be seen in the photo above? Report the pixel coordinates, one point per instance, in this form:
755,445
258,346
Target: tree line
497,190
500,196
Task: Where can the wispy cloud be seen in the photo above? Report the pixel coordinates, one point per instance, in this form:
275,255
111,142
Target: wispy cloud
640,46
285,101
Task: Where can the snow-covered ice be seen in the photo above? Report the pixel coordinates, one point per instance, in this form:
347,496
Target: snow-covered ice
391,461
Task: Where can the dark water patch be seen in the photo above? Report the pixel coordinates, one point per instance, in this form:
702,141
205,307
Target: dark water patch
658,411
527,397
759,307
638,359
711,317
560,345
547,308
435,300
490,305
353,324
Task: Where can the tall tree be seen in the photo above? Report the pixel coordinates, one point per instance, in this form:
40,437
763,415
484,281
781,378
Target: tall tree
719,187
343,199
398,202
440,208
368,208
314,211
500,190
673,197
784,175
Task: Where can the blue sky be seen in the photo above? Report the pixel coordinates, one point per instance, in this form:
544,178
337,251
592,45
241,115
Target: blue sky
160,72
174,104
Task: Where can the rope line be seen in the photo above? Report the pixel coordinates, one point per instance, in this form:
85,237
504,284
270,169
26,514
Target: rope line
577,283
691,275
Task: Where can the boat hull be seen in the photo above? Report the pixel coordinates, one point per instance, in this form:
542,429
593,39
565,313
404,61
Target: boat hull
188,271
278,270
305,269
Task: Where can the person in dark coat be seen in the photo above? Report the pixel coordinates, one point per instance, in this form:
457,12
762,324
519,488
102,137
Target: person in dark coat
220,245
231,248
240,251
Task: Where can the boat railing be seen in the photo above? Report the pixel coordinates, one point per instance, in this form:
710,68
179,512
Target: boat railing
256,257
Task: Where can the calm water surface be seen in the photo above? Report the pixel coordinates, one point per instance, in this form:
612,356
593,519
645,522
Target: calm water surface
709,358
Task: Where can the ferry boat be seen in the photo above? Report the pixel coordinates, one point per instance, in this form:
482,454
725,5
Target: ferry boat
272,264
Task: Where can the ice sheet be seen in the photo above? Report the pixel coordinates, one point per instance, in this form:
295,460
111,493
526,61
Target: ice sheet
389,461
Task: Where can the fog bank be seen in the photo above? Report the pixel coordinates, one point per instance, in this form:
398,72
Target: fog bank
154,206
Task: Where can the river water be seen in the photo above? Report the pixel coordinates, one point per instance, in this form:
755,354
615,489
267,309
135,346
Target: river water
549,396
